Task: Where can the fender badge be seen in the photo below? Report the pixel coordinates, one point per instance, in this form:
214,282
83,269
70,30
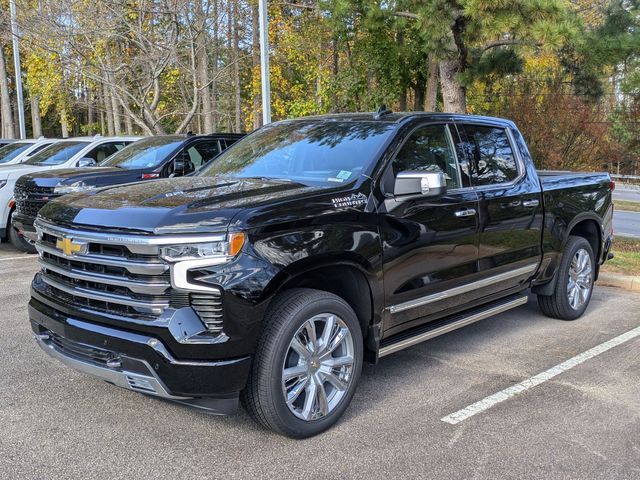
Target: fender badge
352,200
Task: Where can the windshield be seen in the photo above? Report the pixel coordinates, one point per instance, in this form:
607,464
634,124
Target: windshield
146,153
57,154
12,150
309,152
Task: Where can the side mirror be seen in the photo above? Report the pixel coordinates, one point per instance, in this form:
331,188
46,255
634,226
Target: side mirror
86,162
420,184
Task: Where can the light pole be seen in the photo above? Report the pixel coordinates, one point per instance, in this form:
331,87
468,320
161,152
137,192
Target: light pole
264,62
18,69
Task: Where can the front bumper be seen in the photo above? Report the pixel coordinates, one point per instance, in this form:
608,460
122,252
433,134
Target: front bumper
24,225
138,362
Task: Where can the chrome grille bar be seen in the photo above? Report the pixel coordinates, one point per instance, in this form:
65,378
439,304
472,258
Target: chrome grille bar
137,286
155,308
133,266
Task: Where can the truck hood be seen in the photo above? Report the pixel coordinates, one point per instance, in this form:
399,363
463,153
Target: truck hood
92,176
12,172
181,205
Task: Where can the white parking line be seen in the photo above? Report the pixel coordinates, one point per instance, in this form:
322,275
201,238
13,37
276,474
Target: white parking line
488,402
18,258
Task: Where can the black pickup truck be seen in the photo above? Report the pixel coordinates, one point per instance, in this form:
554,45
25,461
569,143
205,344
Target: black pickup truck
308,247
147,159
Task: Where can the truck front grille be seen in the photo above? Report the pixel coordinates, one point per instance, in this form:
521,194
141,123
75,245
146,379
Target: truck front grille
31,198
118,275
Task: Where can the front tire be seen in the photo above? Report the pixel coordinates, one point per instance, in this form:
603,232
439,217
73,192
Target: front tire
307,364
574,286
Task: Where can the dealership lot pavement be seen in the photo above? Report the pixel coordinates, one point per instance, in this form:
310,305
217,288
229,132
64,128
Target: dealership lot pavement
583,423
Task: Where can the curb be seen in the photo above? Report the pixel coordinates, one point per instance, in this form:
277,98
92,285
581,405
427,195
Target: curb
628,282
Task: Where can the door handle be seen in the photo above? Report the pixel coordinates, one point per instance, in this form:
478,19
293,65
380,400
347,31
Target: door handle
530,203
469,212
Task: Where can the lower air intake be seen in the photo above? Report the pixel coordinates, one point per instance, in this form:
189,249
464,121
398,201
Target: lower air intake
209,309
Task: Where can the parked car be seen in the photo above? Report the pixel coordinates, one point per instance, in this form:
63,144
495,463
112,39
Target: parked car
67,153
21,150
147,159
305,249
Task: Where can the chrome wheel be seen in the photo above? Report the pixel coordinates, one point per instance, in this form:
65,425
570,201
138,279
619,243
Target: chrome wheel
580,279
318,367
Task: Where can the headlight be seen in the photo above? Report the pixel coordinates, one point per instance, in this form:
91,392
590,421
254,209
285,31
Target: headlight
2,183
73,188
201,251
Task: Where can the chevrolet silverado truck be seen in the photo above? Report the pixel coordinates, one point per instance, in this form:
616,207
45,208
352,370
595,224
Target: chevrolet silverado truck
65,153
162,156
307,248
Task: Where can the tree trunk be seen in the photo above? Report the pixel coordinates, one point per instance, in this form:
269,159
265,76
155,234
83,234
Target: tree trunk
236,68
453,93
432,84
91,117
418,99
128,122
202,60
255,62
108,107
229,104
64,123
214,80
115,108
8,124
36,121
403,100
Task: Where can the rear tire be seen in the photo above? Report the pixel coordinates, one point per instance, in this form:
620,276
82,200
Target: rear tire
19,242
574,285
307,364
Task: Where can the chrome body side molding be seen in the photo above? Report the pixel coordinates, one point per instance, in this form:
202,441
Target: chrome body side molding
435,297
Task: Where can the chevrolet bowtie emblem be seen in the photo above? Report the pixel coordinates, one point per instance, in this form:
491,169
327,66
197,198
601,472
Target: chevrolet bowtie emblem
69,247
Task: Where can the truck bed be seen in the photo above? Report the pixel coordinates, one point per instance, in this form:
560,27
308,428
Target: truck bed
558,179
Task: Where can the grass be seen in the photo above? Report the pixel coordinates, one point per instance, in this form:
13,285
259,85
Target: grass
628,206
627,259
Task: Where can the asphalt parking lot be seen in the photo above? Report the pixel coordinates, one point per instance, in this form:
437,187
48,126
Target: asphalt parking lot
583,423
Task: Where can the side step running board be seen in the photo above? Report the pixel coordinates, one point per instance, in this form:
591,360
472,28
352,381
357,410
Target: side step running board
440,327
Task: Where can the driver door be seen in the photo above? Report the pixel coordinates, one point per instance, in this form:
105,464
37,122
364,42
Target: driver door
430,244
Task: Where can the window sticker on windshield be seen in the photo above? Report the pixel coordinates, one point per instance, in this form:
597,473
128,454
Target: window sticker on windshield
343,174
334,179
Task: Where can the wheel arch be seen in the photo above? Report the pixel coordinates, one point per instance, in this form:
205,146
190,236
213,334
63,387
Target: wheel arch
347,278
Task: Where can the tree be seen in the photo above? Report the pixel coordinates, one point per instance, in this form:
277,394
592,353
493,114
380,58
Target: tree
470,38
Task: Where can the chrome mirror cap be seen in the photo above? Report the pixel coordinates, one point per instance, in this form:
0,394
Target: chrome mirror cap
417,183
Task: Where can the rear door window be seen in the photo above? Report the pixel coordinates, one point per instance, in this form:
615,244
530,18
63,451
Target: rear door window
490,156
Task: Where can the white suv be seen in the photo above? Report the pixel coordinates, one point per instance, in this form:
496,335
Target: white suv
68,153
21,150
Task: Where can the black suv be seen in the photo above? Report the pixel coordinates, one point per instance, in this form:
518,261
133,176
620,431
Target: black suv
147,159
305,249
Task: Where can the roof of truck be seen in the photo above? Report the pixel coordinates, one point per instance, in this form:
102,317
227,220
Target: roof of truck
387,116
